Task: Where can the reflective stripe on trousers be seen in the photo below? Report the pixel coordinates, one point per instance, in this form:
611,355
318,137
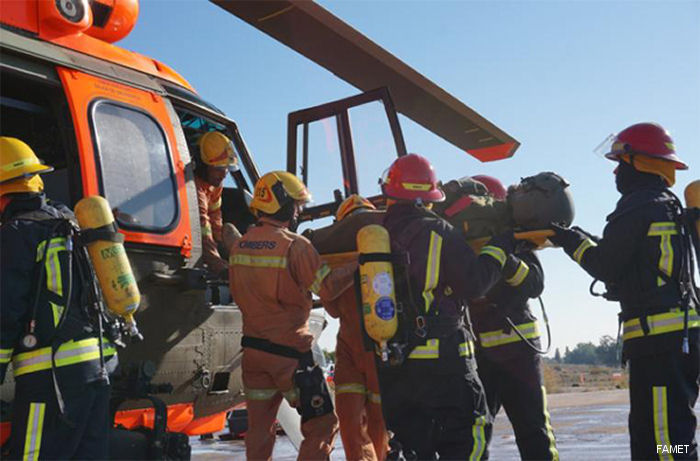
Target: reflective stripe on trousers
35,427
548,427
479,437
500,337
665,322
68,353
660,409
358,388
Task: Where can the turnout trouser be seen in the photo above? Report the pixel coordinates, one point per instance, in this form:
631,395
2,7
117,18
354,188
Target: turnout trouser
39,431
267,379
663,391
516,384
436,414
358,404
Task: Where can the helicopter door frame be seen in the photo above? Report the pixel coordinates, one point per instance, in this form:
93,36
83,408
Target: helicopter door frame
340,110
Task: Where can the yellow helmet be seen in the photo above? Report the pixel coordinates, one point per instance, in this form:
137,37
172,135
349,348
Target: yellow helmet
352,203
217,150
275,189
17,160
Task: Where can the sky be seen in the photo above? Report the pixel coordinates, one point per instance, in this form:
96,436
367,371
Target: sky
558,76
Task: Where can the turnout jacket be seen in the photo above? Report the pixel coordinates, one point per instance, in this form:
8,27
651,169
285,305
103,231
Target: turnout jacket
639,259
442,273
67,341
509,298
209,202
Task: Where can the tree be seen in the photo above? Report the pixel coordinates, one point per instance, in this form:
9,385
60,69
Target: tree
557,355
607,351
583,353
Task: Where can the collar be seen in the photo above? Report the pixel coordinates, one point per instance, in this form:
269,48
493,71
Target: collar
272,222
23,202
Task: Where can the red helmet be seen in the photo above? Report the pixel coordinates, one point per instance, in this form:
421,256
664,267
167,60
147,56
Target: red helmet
650,139
411,177
494,186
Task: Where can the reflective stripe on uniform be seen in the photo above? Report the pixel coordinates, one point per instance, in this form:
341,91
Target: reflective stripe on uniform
431,350
548,427
660,410
68,353
321,274
466,349
500,337
495,252
432,268
35,427
259,394
57,312
291,396
479,438
206,230
374,397
5,355
215,205
583,246
350,388
666,322
664,230
53,264
519,276
278,262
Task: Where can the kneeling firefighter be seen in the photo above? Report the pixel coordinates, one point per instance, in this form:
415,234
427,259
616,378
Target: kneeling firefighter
645,260
509,366
51,328
273,273
357,398
434,402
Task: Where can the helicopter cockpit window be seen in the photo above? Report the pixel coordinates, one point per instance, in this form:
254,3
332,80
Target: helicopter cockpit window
238,185
136,166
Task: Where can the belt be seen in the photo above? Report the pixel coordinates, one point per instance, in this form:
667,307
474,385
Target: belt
500,337
271,348
666,322
69,353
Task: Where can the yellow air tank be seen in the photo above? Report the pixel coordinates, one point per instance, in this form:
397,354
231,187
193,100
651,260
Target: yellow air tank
377,286
692,200
108,257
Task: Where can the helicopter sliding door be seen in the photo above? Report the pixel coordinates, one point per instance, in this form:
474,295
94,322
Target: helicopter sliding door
342,148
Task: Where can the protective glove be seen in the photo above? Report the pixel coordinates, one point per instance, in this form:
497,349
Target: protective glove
568,239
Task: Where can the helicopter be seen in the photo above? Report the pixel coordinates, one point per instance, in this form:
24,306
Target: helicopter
119,124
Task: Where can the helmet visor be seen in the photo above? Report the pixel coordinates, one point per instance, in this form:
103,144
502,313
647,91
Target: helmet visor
606,147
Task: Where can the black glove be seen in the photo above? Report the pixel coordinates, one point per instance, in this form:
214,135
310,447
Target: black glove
505,241
569,239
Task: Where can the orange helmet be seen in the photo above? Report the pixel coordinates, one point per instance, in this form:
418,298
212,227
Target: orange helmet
352,203
493,185
411,177
648,139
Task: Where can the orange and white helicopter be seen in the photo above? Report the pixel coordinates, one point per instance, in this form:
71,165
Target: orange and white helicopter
125,126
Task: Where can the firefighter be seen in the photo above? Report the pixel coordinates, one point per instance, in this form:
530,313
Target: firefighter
357,398
644,259
510,369
49,333
434,402
273,274
218,157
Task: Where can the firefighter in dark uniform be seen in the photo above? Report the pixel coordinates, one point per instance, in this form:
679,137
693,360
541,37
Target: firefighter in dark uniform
510,369
61,404
434,402
645,260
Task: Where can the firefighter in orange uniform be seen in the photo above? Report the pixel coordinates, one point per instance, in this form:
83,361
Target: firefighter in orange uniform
357,399
273,273
218,156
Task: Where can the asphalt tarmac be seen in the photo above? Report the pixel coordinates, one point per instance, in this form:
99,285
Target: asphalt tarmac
587,425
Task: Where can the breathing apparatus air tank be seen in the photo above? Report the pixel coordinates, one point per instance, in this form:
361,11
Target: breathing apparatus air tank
377,286
108,257
692,201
